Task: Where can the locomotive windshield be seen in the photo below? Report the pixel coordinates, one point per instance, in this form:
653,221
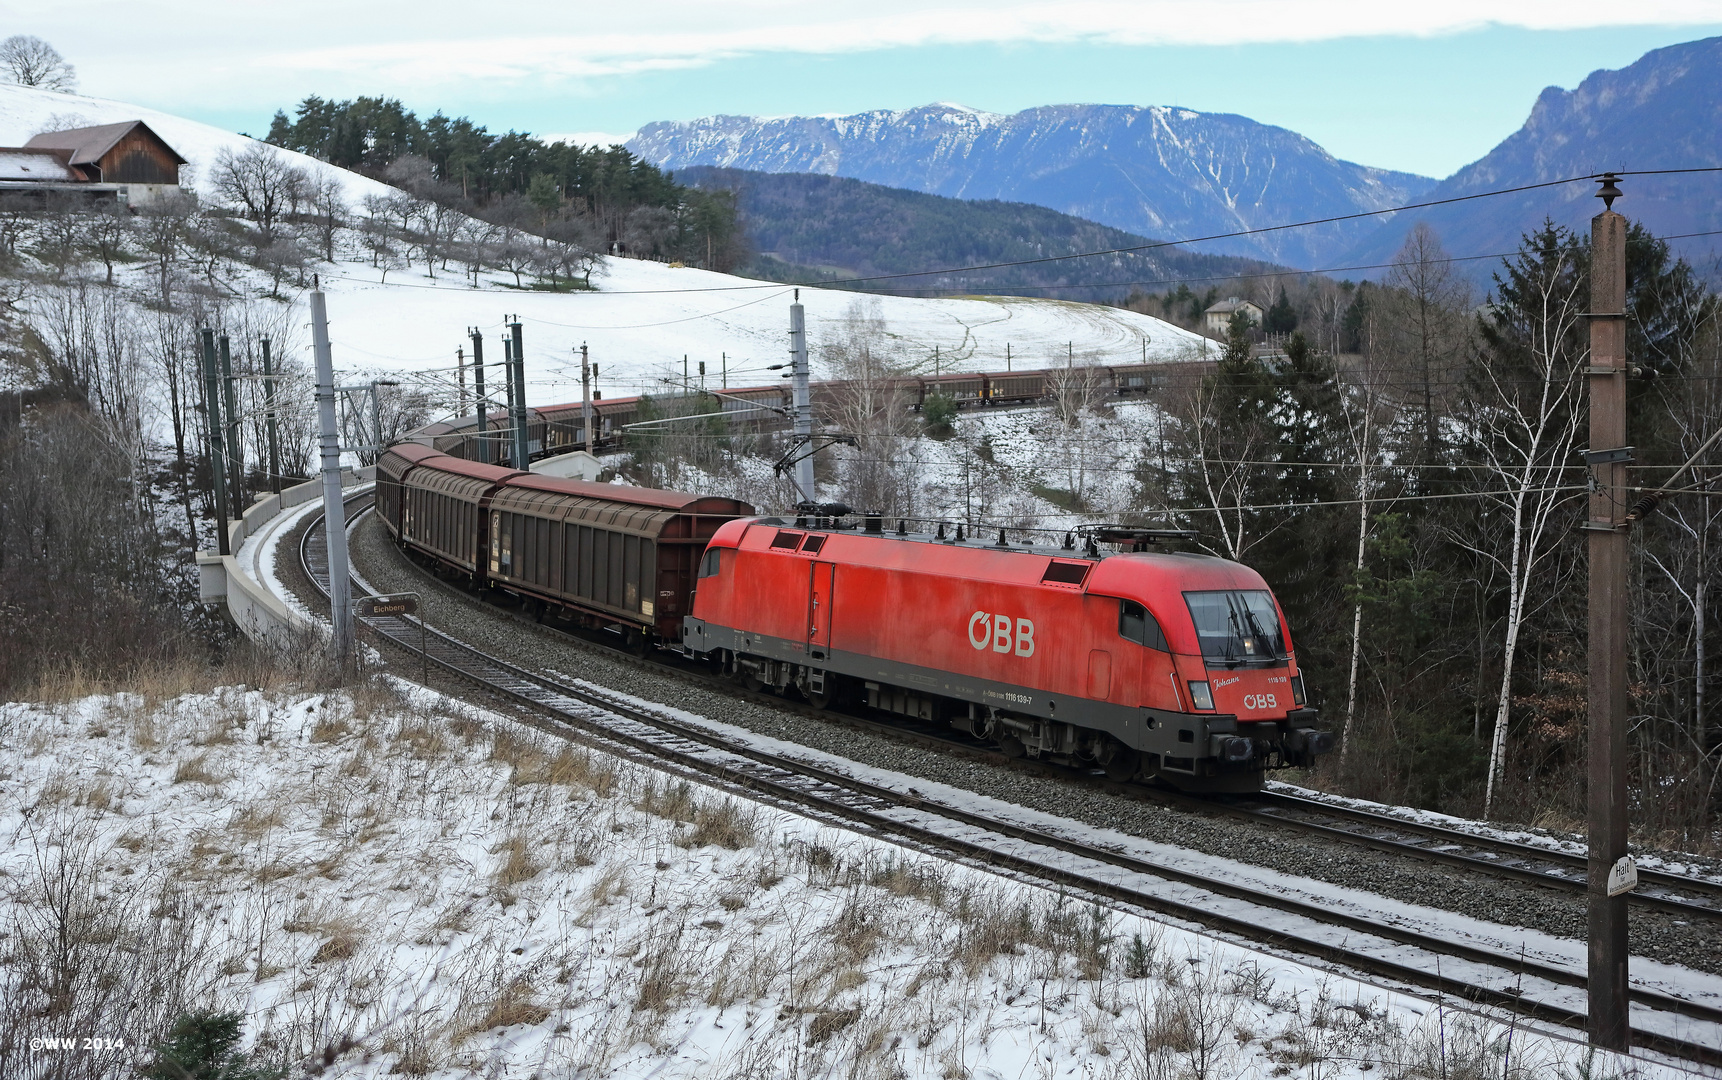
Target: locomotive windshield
1238,626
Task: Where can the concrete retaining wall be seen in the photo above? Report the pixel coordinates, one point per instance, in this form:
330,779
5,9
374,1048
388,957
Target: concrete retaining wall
259,613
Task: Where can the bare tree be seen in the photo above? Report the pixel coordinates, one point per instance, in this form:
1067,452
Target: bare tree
108,234
164,227
381,235
1522,421
1370,411
261,183
328,202
868,402
30,61
1428,326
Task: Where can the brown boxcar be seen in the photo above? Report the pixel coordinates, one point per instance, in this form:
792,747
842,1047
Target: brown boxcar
392,468
624,555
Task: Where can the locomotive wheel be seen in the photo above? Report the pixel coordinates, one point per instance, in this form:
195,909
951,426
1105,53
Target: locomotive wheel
1012,746
819,699
753,682
1123,765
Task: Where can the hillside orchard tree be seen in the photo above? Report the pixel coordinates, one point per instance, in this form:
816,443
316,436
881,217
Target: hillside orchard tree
107,232
261,183
163,227
30,61
329,211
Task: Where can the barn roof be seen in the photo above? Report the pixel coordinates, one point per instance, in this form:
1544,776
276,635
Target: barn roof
17,163
88,144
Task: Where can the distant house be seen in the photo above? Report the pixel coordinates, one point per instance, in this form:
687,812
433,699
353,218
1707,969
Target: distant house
1218,318
126,160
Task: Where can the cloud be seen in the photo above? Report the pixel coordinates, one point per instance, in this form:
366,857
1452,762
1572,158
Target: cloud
236,55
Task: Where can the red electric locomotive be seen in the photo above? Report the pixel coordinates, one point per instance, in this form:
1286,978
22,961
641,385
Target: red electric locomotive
1171,666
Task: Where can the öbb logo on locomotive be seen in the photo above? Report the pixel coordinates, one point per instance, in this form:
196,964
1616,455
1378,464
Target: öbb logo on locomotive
1002,633
1176,667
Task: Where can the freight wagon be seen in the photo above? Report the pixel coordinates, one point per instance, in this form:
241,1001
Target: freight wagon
597,554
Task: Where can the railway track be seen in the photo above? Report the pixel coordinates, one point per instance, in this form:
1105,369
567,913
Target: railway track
1679,1028
1685,897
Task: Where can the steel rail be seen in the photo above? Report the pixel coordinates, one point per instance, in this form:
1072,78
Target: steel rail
1657,889
868,805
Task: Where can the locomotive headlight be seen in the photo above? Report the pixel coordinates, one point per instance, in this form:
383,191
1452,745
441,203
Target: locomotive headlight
1297,688
1201,695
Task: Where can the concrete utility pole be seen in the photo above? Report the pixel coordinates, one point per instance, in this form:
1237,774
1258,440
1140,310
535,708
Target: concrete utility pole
235,455
269,420
585,400
334,520
460,364
377,419
478,392
1607,527
522,449
802,400
217,445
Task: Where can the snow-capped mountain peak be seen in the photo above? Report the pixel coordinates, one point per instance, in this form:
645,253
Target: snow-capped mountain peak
1158,170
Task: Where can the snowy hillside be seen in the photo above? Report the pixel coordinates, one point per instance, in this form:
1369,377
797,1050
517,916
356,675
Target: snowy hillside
644,317
647,316
27,111
1151,170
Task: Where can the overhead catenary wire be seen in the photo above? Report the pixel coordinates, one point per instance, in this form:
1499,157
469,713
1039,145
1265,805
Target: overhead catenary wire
1150,246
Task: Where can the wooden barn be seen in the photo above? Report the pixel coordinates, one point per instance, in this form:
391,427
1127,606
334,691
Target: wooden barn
124,153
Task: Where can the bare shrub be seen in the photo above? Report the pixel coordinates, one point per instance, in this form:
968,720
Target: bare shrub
92,950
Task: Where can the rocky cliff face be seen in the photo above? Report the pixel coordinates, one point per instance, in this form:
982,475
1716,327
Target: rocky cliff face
1155,171
1662,112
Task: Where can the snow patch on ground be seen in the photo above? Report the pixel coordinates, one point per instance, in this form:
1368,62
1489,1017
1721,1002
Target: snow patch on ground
452,894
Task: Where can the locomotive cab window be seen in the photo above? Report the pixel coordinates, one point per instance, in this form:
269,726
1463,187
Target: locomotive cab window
1237,626
710,565
1136,624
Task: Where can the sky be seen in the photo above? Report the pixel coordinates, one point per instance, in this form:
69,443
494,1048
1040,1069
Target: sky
1421,88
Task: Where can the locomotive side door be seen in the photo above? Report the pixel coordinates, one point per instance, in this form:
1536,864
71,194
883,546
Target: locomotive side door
819,606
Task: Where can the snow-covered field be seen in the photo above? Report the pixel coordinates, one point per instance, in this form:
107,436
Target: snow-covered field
431,890
646,316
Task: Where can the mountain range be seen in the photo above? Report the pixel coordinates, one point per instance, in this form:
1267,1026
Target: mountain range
812,227
1151,171
1168,172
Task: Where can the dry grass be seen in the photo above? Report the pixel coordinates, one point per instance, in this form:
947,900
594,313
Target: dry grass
329,729
341,935
673,802
517,863
254,820
195,770
516,1004
722,823
827,1024
421,740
